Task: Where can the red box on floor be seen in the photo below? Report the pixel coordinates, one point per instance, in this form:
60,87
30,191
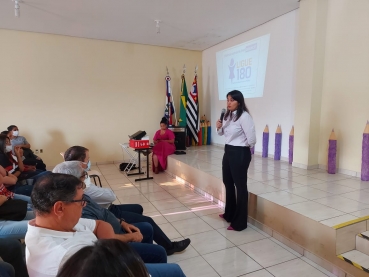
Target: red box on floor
136,144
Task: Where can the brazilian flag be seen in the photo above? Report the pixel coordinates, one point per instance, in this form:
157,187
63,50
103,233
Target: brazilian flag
183,102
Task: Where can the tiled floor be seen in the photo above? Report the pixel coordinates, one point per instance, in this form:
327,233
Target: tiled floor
328,198
214,251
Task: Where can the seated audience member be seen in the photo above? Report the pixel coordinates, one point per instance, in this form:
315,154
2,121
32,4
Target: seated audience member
14,216
9,180
58,231
106,258
102,196
12,256
164,146
93,211
139,235
30,157
16,167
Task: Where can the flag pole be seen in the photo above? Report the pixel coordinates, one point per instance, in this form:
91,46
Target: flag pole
171,98
183,73
198,105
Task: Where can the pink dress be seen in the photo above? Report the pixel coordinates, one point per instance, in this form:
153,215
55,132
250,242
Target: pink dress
162,149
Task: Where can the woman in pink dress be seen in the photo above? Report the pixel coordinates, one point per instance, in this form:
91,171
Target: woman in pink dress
164,146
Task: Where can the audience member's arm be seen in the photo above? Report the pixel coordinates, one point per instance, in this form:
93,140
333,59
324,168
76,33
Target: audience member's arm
2,171
129,228
24,145
19,153
10,180
3,199
104,230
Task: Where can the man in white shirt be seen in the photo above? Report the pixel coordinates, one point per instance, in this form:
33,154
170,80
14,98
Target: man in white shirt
58,232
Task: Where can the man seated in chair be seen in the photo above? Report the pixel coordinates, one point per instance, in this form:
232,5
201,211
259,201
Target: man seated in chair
58,231
122,215
102,196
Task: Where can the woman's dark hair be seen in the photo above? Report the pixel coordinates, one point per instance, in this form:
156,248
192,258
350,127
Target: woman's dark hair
75,153
107,258
3,139
5,132
52,188
237,96
164,120
11,127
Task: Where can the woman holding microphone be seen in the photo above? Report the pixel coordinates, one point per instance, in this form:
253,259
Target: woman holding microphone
239,131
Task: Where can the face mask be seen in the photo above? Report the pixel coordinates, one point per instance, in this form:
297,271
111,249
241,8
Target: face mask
87,182
8,148
15,133
88,166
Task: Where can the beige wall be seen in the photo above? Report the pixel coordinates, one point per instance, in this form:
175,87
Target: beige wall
63,91
346,81
332,87
309,81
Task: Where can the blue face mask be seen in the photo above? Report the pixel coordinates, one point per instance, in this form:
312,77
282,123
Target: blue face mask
88,166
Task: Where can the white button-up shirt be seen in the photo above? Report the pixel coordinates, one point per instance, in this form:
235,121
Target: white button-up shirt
47,250
240,132
102,196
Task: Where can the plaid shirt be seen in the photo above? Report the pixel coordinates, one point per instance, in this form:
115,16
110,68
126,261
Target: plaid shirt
6,192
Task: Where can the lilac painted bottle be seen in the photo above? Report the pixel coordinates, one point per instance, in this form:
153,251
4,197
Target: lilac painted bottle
332,153
265,142
278,144
290,145
365,154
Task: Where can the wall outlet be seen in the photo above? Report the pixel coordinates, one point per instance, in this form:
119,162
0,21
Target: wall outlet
36,151
41,151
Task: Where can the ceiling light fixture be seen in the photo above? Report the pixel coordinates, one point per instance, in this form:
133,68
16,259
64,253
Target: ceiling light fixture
157,26
17,8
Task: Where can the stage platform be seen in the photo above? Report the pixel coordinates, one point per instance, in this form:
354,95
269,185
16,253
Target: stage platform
317,214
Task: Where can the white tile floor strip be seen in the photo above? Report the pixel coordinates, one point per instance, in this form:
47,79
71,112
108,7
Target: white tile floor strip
215,251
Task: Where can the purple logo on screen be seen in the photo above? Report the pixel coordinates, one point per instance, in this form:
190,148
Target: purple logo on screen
231,67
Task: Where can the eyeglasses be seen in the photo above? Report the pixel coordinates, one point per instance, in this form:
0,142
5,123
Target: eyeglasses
83,201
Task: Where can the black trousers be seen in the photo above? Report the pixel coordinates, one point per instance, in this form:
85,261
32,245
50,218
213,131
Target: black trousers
132,213
236,161
11,253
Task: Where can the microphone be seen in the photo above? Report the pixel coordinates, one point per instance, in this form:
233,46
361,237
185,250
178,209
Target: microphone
222,114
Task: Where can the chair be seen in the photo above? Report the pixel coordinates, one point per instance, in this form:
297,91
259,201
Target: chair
132,157
92,173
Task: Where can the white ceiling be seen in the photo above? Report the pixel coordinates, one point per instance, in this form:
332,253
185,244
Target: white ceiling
188,24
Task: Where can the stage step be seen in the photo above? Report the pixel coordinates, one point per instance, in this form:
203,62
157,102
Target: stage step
357,259
362,242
